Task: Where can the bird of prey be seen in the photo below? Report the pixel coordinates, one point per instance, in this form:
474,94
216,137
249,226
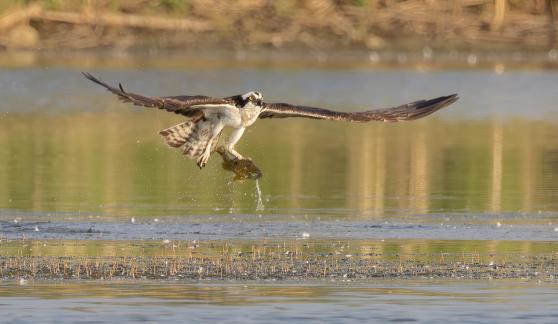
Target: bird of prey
207,116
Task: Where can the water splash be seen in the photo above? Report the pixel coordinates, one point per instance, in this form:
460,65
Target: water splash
259,205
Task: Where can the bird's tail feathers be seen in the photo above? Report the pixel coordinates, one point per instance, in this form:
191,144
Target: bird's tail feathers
177,135
192,136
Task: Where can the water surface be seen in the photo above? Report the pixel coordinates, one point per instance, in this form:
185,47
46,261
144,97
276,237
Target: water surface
72,153
335,302
84,176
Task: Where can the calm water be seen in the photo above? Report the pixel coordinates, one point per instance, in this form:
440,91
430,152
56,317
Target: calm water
480,176
333,302
72,154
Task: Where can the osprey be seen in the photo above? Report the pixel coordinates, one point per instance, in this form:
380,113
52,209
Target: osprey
198,136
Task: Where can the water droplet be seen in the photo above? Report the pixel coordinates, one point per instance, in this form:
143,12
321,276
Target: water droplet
259,204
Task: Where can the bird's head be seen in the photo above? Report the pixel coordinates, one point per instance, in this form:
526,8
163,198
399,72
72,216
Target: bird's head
251,99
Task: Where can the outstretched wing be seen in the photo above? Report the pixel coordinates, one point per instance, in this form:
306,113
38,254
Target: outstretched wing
410,111
183,105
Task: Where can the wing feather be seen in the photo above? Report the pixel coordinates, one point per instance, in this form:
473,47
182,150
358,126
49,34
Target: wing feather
183,105
410,111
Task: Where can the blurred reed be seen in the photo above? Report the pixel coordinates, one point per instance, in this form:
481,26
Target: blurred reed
372,24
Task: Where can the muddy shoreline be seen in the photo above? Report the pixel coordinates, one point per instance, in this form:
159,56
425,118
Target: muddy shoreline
423,58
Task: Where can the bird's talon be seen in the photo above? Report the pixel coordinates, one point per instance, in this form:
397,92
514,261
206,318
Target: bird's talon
202,161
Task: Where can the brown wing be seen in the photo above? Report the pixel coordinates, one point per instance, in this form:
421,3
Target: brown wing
184,105
410,111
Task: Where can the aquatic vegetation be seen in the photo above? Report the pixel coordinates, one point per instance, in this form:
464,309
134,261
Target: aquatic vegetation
272,260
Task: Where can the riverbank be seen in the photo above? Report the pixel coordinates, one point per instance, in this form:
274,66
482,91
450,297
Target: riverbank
241,24
420,59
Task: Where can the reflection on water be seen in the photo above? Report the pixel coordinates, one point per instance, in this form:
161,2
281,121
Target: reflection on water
428,301
461,194
425,250
115,164
92,184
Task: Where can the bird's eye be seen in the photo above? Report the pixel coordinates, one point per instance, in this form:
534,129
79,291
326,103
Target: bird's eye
251,98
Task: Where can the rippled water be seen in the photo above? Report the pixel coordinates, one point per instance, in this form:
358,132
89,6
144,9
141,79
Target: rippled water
477,177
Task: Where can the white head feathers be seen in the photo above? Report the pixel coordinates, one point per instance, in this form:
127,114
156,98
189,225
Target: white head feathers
254,94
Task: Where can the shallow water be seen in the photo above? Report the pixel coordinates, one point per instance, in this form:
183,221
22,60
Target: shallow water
82,175
247,302
75,157
239,228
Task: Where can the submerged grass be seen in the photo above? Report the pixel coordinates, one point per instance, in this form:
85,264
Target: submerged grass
270,267
289,260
